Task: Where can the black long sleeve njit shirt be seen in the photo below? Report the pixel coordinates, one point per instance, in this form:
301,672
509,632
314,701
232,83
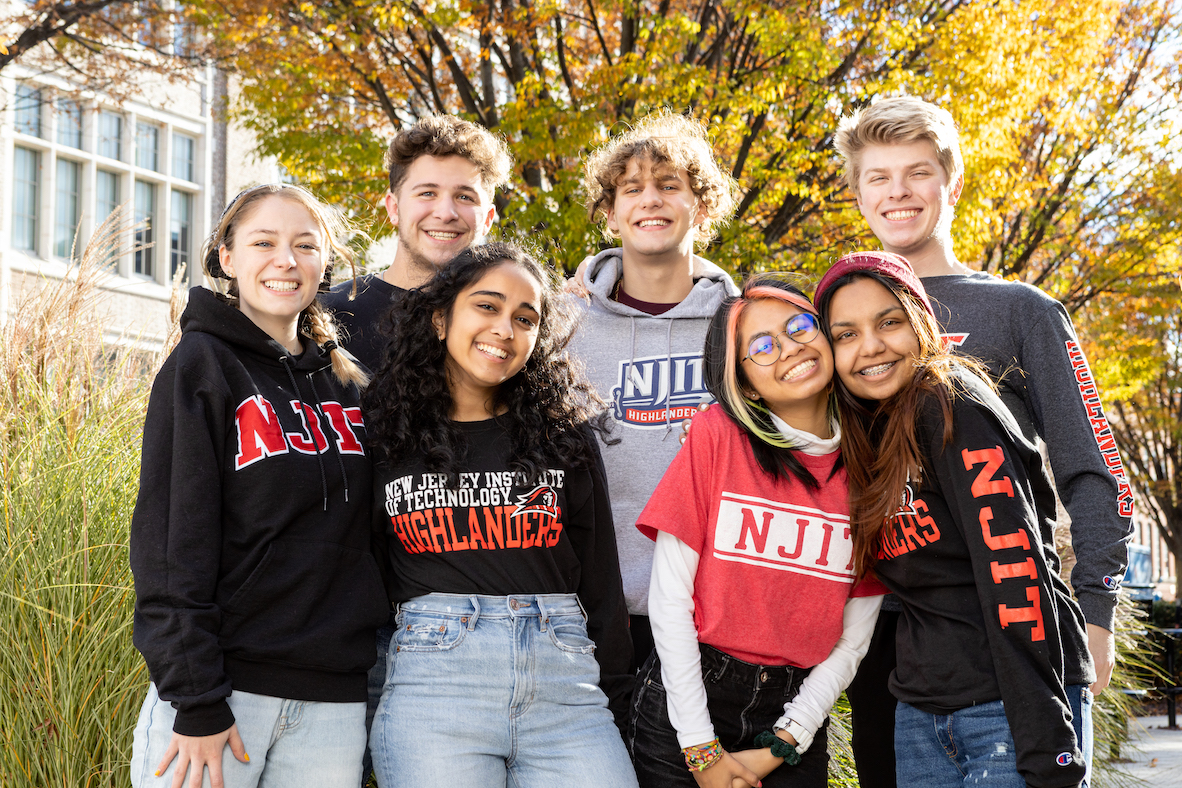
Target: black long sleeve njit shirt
985,614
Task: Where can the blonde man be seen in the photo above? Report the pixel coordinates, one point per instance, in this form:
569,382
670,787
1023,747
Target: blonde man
903,163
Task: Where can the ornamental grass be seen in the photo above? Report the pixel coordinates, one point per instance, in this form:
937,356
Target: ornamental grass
71,411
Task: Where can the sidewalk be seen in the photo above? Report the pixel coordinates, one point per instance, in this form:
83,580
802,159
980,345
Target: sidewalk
1154,754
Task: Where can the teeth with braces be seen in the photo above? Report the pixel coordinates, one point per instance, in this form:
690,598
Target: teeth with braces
878,369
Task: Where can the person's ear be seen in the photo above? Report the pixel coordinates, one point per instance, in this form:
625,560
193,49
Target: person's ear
957,188
392,208
224,261
440,325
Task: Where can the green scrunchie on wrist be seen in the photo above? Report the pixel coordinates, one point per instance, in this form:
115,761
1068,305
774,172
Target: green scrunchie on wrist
780,748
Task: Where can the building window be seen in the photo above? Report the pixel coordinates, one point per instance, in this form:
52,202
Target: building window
28,111
181,232
106,188
106,200
69,123
65,226
110,135
26,182
147,146
183,148
145,230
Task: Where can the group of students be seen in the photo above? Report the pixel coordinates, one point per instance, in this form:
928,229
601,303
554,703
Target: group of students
489,486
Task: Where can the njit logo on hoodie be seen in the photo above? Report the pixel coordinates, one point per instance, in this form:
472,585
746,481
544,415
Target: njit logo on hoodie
654,390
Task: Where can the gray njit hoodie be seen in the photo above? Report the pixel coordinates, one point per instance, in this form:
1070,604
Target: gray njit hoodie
649,370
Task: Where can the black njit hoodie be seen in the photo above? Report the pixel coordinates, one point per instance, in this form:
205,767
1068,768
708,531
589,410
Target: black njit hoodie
250,542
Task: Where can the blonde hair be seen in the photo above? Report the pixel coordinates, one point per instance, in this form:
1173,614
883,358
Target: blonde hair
893,121
662,138
316,322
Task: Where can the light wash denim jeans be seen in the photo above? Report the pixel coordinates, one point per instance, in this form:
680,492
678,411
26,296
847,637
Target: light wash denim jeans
291,743
488,691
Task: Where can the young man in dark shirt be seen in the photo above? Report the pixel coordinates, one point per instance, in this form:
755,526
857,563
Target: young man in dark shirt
444,173
903,163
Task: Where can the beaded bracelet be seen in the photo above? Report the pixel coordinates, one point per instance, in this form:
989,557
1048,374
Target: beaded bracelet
699,757
780,748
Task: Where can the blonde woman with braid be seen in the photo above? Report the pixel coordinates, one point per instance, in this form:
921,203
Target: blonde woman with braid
758,621
257,597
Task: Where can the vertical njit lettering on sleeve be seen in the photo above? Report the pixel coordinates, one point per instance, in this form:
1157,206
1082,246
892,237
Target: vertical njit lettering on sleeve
985,484
1100,429
1010,615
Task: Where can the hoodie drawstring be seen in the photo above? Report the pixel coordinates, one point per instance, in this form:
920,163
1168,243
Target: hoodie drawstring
296,388
340,460
669,366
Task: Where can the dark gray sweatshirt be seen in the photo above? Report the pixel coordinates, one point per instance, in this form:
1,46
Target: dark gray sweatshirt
1026,339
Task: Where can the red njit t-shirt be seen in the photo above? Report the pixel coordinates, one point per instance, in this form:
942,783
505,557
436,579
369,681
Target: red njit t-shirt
776,564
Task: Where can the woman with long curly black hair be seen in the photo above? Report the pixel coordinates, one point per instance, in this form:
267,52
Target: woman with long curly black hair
491,494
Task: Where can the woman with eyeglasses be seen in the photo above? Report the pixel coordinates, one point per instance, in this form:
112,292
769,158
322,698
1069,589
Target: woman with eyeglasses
758,621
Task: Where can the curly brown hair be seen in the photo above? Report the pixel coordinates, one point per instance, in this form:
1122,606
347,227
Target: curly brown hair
663,138
447,135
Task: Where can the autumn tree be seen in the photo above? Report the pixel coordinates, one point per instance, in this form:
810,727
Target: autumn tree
103,45
1060,103
1142,374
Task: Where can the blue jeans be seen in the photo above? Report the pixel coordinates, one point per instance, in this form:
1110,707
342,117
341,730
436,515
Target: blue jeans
743,700
488,691
1079,697
291,743
971,746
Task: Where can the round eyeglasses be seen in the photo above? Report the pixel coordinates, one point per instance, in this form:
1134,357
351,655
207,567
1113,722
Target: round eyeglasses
764,350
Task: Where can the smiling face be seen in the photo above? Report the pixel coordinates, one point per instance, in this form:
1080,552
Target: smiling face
490,334
904,194
655,210
441,208
874,345
277,255
795,386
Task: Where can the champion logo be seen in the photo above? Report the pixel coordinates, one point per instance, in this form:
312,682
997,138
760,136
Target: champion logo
1111,582
1064,759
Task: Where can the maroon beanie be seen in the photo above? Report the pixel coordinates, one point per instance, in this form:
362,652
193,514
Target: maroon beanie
889,265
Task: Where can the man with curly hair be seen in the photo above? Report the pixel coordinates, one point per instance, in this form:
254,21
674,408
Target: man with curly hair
659,191
444,173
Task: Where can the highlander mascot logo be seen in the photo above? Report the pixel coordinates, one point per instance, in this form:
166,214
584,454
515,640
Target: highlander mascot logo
652,391
540,499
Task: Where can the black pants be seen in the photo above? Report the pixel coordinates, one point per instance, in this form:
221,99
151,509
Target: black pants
743,700
872,708
642,641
